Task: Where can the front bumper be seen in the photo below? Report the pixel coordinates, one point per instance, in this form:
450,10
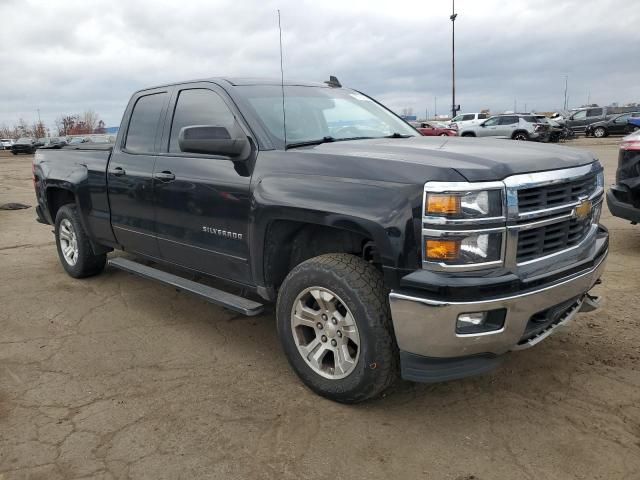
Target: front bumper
618,201
431,350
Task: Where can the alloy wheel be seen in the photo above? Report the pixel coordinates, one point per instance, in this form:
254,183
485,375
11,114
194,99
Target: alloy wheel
68,242
325,333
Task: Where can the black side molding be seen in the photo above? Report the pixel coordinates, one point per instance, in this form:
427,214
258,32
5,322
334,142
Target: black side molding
210,294
416,368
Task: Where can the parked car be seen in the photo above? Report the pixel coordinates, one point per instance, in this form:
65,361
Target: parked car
5,143
514,126
55,142
432,129
385,252
467,119
623,198
27,145
580,119
618,124
634,122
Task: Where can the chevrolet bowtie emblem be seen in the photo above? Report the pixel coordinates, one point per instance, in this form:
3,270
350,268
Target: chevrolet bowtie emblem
583,210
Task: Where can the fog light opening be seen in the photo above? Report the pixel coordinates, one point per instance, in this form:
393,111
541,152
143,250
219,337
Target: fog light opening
480,322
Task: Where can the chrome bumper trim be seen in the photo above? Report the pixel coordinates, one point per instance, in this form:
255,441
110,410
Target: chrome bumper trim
426,326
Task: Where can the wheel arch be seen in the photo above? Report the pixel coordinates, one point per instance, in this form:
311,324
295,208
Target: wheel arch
293,219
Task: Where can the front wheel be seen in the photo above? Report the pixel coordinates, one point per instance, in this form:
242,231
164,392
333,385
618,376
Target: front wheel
600,132
74,248
335,327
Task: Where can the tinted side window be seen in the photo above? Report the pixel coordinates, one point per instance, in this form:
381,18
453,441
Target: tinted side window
482,116
468,117
141,135
198,107
594,112
508,120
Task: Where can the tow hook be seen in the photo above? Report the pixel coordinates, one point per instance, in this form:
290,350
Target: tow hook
590,303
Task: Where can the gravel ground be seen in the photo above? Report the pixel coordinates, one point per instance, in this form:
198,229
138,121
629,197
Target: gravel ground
119,377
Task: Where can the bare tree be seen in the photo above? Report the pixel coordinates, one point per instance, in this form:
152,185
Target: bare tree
66,124
90,120
39,130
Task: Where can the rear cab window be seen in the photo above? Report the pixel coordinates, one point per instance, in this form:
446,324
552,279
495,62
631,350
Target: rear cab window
143,126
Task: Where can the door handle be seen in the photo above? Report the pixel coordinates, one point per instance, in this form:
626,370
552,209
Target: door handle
165,176
118,171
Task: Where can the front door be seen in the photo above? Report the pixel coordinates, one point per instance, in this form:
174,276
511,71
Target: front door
129,176
488,128
202,201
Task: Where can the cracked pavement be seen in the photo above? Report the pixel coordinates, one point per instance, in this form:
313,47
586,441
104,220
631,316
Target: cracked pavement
119,377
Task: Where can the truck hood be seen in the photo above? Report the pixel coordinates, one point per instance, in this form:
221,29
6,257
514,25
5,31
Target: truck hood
476,159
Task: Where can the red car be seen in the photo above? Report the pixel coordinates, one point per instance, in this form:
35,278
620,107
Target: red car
432,129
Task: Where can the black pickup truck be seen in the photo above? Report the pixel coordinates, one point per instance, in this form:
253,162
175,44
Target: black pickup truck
385,252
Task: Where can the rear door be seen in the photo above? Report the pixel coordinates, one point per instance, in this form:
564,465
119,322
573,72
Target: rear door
130,170
620,124
507,125
202,201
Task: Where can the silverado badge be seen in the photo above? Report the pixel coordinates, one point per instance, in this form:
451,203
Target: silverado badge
583,210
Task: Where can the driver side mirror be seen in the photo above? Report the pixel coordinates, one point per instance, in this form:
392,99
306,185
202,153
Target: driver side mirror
215,140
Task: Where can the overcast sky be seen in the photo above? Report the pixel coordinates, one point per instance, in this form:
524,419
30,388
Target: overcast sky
65,56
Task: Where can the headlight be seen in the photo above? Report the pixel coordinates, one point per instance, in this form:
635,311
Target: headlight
600,179
463,248
460,205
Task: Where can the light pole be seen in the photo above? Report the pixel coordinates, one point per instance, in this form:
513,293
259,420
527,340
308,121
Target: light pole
566,84
453,57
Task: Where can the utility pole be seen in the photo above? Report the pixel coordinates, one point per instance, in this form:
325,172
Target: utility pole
453,57
566,83
435,107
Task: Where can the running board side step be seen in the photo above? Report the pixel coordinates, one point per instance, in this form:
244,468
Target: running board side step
210,294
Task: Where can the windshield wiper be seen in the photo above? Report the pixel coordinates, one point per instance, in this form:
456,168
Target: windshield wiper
319,141
309,143
398,135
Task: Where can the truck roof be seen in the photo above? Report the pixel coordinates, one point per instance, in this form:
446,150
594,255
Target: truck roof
239,81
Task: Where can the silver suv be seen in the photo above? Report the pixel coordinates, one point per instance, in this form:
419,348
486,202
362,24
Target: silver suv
514,126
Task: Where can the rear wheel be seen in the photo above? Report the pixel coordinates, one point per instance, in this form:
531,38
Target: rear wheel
443,135
522,136
335,327
468,134
635,128
74,248
599,132
14,152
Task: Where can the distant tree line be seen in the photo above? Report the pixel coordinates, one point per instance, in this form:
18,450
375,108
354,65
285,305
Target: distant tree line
76,124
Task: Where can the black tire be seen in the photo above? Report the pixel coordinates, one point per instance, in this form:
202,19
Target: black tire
599,132
360,286
87,263
468,134
522,136
443,135
635,128
14,152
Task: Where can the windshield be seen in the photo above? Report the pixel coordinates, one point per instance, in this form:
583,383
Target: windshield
314,113
24,140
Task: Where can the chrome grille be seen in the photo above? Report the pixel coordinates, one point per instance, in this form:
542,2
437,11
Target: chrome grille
542,241
554,195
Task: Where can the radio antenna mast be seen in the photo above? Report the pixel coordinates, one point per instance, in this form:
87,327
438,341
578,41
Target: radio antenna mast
284,112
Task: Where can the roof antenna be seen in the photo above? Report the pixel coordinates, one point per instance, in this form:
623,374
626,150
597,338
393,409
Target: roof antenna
333,82
284,114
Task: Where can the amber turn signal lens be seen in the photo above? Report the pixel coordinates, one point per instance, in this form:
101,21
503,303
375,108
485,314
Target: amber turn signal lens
441,204
442,249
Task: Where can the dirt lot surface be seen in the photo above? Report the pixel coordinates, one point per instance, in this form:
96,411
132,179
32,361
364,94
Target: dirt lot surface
119,377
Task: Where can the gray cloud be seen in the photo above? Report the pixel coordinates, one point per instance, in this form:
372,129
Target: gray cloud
67,56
